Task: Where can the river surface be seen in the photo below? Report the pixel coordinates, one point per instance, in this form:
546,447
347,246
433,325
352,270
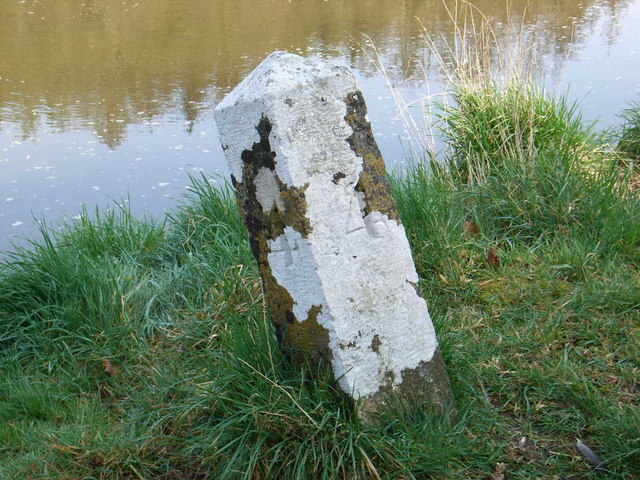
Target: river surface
104,101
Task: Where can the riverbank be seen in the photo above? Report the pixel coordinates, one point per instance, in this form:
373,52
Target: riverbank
136,349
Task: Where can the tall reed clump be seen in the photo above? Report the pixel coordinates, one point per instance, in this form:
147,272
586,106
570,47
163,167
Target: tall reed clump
537,168
629,142
94,276
490,122
111,281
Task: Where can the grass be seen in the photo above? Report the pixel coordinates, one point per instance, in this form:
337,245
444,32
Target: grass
134,349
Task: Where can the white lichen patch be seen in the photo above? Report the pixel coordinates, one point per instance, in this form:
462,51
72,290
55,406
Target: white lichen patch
305,95
377,224
267,190
292,265
234,134
380,325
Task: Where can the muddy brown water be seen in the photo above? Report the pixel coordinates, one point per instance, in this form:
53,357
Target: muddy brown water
104,100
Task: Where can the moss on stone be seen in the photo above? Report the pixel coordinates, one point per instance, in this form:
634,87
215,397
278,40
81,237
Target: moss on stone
309,337
426,385
373,182
299,334
295,208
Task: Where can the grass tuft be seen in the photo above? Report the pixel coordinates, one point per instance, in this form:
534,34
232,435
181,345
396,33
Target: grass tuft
629,142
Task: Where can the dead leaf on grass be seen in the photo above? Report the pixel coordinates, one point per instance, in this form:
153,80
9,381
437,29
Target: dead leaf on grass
471,228
105,393
109,368
492,257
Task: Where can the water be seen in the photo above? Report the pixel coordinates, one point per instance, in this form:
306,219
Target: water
104,101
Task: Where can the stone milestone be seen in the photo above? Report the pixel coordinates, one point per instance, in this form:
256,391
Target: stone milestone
338,275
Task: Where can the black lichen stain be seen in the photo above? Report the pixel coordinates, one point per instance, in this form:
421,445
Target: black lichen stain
375,344
428,381
416,287
373,182
289,317
344,346
388,379
268,224
260,154
264,227
338,176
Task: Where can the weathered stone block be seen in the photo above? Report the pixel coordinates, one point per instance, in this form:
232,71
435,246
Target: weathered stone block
337,270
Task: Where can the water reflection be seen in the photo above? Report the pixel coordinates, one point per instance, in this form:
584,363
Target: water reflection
98,98
105,65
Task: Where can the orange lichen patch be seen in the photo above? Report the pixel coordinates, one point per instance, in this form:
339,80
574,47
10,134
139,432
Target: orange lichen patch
377,164
264,226
278,300
295,208
257,220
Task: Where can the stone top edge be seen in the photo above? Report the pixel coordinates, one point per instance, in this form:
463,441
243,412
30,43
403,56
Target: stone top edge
279,73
